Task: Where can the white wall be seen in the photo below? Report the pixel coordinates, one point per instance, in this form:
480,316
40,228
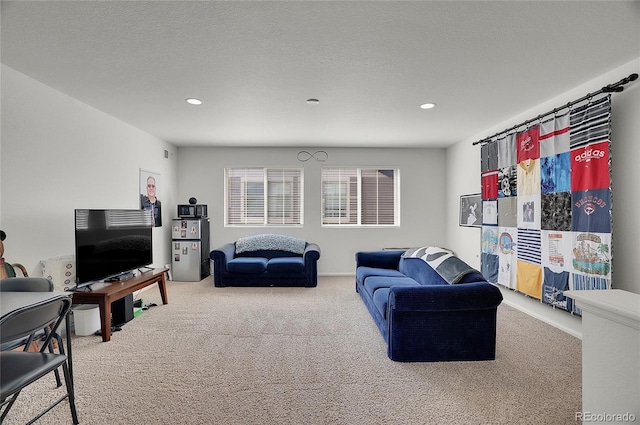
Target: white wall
201,174
463,176
59,154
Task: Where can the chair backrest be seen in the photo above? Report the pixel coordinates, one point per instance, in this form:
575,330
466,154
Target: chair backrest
26,284
29,320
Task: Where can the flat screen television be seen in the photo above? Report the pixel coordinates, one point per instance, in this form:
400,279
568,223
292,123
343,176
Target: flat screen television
111,242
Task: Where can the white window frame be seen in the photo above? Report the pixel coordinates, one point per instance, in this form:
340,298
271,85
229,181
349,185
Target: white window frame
350,209
264,213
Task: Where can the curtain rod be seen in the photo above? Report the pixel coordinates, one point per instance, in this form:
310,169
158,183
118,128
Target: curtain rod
611,88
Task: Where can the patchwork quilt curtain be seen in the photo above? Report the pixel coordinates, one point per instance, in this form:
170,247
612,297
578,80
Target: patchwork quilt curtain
546,195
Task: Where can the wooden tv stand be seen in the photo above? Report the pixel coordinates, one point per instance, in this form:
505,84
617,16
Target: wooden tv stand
104,293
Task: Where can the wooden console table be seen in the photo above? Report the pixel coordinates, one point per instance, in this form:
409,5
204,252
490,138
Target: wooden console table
104,293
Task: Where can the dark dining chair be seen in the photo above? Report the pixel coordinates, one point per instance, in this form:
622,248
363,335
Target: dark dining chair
22,368
27,284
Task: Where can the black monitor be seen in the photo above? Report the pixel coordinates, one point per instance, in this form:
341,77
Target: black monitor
111,242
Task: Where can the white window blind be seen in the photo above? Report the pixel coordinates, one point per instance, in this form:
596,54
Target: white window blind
360,196
263,196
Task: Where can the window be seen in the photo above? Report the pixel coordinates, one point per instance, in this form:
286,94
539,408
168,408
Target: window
360,196
263,196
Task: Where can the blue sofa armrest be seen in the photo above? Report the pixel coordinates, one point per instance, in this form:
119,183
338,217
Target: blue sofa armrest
443,322
311,255
225,253
389,259
221,256
467,296
311,252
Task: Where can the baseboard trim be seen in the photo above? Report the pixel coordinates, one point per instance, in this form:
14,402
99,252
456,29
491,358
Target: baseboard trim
562,320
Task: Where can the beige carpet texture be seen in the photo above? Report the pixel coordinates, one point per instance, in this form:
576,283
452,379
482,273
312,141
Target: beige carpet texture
302,356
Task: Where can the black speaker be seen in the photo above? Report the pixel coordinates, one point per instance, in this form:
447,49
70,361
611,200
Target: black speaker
122,310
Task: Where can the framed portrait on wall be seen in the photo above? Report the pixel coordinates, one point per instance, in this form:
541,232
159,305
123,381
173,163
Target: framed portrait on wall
471,210
149,195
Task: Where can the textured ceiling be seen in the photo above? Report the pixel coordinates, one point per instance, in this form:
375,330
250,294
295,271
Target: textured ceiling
371,64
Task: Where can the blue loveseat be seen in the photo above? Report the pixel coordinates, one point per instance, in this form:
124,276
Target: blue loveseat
428,305
266,260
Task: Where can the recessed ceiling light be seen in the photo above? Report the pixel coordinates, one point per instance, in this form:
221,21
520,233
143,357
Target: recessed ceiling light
313,101
428,105
193,101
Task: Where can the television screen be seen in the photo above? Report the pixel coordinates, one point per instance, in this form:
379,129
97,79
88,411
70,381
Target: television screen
111,242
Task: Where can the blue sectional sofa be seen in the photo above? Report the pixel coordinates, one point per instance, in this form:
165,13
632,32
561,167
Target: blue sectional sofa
266,260
428,304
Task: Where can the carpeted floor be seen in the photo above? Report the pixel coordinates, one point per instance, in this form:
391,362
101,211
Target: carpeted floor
303,356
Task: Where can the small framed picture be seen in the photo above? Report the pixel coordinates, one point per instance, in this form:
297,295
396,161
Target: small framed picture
471,210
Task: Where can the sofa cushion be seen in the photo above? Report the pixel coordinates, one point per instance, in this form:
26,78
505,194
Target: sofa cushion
373,283
421,271
362,273
381,300
285,264
451,269
247,265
